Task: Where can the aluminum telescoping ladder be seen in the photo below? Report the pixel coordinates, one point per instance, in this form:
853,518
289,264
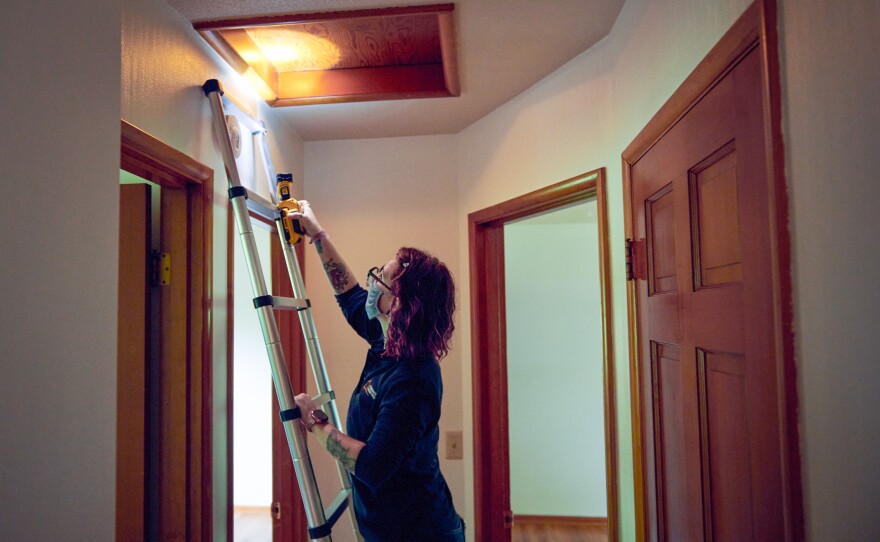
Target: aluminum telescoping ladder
320,522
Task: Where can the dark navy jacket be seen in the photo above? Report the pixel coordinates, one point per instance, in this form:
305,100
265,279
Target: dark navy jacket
399,492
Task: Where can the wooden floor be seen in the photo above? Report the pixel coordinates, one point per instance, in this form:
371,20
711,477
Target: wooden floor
252,525
529,532
255,525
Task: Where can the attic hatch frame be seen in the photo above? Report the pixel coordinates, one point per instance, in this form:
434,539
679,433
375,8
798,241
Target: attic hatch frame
386,81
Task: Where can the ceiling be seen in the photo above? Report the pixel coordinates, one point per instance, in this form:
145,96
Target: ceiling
503,46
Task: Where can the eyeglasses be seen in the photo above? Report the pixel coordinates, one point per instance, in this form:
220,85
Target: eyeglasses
374,274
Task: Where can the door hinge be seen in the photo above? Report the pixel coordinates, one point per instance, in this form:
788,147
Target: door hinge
161,272
276,510
636,261
508,518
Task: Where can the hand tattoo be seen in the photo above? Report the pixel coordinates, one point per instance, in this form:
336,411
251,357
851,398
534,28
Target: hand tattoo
340,452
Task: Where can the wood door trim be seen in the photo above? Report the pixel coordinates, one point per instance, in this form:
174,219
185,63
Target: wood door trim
755,28
133,352
151,159
488,345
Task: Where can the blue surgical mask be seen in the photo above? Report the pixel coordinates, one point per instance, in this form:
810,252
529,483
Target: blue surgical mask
372,304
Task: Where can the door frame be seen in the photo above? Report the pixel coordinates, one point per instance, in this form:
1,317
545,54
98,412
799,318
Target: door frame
757,27
489,352
149,158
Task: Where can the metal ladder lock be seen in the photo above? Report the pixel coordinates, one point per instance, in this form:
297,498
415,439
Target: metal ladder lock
244,202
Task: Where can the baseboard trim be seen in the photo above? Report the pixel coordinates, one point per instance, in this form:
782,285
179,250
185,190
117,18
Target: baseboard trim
561,520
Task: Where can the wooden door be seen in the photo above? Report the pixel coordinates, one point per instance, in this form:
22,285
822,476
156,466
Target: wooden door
707,350
174,426
132,355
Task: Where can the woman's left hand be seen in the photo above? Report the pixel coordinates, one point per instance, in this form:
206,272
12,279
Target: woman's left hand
305,404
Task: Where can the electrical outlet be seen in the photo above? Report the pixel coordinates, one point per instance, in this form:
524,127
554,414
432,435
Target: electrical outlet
454,445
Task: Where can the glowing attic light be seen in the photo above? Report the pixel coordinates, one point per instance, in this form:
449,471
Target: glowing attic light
292,50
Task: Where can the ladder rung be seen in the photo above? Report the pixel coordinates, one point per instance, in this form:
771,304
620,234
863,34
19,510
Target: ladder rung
324,398
256,203
282,303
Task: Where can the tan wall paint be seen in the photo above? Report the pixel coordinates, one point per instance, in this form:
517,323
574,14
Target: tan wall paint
164,64
59,208
831,91
61,70
579,119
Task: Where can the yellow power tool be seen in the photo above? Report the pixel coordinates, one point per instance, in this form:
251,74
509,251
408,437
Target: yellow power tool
293,231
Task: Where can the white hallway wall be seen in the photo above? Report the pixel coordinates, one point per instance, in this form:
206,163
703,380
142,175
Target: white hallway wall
579,119
576,120
582,117
63,78
61,71
831,88
59,207
164,64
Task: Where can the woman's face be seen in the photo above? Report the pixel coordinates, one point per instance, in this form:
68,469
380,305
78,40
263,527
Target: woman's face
388,273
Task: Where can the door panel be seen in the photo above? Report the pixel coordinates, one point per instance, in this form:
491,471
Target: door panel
725,445
714,220
700,201
173,363
132,356
661,241
669,414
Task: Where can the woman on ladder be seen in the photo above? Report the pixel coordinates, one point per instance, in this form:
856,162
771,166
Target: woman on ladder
405,315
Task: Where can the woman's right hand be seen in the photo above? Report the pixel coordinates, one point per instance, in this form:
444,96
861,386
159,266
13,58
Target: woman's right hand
307,219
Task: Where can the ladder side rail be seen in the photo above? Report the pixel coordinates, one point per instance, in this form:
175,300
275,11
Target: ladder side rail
316,358
295,437
280,377
307,323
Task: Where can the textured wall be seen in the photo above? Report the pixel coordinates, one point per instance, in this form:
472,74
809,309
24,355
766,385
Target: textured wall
164,64
59,208
831,88
579,119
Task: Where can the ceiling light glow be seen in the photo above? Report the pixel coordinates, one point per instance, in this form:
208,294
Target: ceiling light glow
293,50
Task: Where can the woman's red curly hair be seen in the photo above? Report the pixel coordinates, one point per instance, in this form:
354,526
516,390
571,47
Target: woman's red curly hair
421,316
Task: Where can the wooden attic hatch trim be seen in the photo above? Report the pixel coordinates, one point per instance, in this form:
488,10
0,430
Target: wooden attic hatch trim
360,55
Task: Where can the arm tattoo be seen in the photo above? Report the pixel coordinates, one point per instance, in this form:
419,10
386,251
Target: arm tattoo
337,274
337,450
320,246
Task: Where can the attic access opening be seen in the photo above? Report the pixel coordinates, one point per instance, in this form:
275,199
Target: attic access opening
346,56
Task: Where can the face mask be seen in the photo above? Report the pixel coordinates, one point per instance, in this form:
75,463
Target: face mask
372,304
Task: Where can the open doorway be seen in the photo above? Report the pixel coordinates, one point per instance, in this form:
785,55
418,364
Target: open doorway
513,353
554,348
251,403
